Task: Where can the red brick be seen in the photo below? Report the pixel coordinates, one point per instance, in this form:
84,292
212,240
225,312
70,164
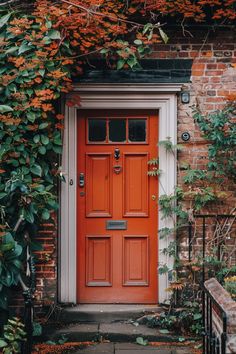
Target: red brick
183,54
222,92
215,79
207,54
193,54
211,93
214,72
197,66
197,72
221,66
220,106
212,66
209,107
214,99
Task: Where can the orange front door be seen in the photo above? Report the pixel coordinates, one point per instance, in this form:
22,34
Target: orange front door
117,207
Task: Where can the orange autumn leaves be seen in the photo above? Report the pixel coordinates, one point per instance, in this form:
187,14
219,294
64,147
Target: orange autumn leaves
58,36
198,11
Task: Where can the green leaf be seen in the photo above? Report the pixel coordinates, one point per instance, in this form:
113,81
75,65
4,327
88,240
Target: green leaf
37,329
57,149
42,72
44,139
36,138
17,263
8,238
5,108
17,250
57,140
29,216
43,125
197,316
7,247
53,34
5,19
11,50
3,343
42,150
104,51
36,170
141,341
24,48
164,331
147,27
31,116
3,195
45,214
138,42
163,35
120,64
50,342
181,339
48,24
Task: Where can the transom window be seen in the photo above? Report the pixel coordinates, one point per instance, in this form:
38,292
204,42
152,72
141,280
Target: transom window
117,130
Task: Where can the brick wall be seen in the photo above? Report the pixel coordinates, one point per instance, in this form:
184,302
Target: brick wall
213,76
223,299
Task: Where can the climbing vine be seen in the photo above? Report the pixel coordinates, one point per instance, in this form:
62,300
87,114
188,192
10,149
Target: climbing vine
43,47
198,191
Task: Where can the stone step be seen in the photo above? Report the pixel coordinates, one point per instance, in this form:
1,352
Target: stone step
113,332
105,313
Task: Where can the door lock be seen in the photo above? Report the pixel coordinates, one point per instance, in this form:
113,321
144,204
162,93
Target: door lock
154,197
81,180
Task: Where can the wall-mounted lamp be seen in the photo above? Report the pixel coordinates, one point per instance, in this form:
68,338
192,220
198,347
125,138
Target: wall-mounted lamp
185,97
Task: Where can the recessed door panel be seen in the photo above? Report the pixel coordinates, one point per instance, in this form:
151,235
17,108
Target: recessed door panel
135,260
98,265
117,213
98,189
135,185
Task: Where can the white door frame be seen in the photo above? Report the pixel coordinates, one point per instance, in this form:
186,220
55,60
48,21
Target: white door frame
159,97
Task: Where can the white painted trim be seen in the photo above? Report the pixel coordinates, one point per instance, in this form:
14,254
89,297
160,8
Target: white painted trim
161,98
67,262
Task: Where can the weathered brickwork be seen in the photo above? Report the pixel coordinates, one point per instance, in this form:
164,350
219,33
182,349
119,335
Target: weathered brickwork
221,297
213,77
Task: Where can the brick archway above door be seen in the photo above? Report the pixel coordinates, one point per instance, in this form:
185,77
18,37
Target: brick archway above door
160,98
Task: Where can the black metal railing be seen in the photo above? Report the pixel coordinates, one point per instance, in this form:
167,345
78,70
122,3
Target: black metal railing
214,334
28,295
222,228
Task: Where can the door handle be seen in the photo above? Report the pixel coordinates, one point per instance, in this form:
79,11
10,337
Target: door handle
117,169
81,180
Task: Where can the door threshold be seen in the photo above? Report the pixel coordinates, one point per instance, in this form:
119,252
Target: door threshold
99,313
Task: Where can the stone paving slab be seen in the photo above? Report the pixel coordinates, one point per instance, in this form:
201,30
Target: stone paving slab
141,351
125,332
103,348
130,348
78,333
114,332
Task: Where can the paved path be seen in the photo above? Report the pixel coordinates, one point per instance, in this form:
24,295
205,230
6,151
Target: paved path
130,348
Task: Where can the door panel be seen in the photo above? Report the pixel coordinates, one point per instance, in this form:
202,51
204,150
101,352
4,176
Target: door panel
98,185
135,265
135,185
117,214
98,273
